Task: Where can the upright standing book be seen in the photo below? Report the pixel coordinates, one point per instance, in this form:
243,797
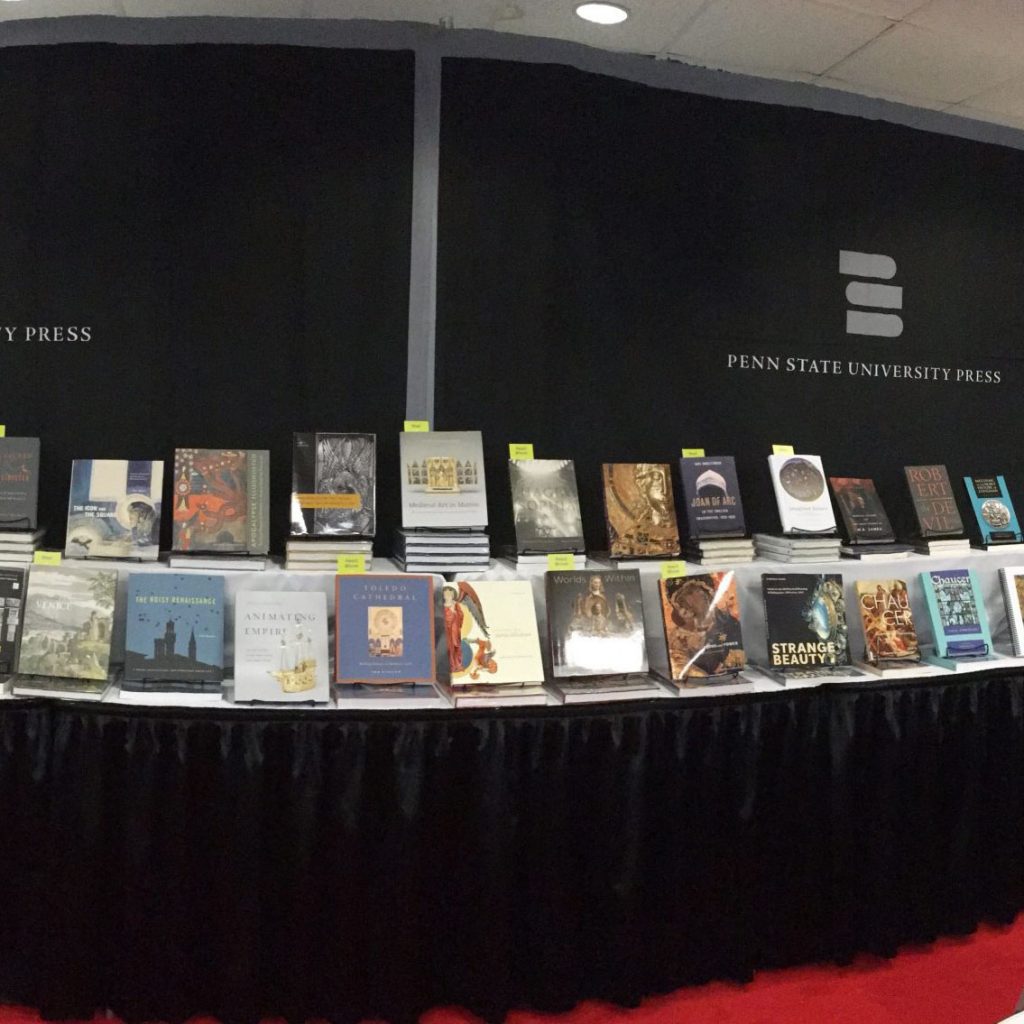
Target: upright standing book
1012,579
800,493
861,511
334,485
443,480
711,491
934,504
890,637
639,510
993,510
12,600
19,482
957,613
805,615
546,506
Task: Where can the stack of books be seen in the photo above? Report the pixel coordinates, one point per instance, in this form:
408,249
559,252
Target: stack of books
442,551
322,555
722,552
19,493
948,546
717,531
18,547
796,549
519,560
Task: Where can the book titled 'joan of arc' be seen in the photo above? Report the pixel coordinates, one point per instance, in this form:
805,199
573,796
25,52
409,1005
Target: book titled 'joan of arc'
934,504
12,600
711,491
640,511
546,506
806,619
860,510
221,501
19,482
334,482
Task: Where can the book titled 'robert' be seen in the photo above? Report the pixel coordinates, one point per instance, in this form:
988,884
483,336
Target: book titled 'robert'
934,505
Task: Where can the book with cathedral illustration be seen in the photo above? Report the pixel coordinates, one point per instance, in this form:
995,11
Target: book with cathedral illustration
221,501
957,612
934,504
640,512
334,485
545,506
993,511
114,509
801,495
861,511
711,492
281,646
442,475
805,615
174,638
890,637
12,600
19,482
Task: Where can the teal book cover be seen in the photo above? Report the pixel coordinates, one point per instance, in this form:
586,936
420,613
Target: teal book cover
957,612
997,521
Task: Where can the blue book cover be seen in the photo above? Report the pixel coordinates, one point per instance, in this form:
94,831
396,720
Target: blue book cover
384,629
957,612
711,493
175,631
997,521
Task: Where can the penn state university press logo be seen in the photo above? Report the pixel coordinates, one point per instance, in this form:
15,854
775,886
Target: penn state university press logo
870,297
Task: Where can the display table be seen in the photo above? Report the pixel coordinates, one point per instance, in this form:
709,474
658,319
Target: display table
241,863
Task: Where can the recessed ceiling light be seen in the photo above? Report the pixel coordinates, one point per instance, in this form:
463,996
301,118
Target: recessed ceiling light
602,13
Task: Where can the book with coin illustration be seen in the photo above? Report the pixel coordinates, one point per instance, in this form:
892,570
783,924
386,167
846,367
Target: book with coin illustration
993,511
639,510
801,494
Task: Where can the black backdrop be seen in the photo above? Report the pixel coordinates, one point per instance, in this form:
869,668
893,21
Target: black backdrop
232,223
604,246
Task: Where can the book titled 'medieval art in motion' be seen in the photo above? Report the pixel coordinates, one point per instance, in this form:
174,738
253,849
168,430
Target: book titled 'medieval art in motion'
957,612
281,646
114,509
1012,579
993,510
221,501
801,495
443,480
174,637
701,615
19,482
334,479
639,510
890,637
546,506
808,634
12,600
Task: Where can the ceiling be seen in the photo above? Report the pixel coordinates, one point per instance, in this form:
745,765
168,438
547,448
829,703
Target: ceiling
962,56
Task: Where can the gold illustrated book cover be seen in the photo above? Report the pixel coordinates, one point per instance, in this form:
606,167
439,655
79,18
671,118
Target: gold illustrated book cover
639,510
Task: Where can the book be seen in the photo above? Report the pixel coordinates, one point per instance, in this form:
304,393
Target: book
701,615
69,617
20,540
799,483
490,634
875,552
993,510
595,623
114,509
806,622
221,501
12,600
443,479
957,612
639,510
599,691
711,493
861,511
934,504
334,485
1012,579
174,635
281,646
19,482
545,506
494,696
384,629
890,637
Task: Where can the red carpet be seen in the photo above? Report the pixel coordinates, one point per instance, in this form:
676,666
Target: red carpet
975,980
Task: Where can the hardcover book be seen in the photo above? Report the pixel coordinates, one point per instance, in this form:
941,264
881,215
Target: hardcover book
800,493
702,625
174,638
997,521
334,485
806,620
1012,579
221,501
490,633
443,480
546,506
114,509
957,613
711,491
595,623
69,616
384,629
12,598
19,482
281,646
934,504
639,510
889,633
860,509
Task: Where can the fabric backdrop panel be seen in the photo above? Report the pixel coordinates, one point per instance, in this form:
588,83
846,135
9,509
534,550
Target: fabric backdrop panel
605,246
232,225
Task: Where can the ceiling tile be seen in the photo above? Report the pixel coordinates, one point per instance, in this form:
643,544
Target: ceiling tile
997,24
56,8
826,82
214,8
775,35
1007,98
894,9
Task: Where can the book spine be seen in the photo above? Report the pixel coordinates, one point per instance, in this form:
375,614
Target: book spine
258,502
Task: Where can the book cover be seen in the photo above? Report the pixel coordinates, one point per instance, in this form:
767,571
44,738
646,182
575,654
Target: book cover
806,619
490,633
889,632
957,613
701,615
174,632
281,646
711,492
993,510
19,482
69,616
384,629
334,485
114,509
443,480
934,504
640,511
12,600
1012,579
860,509
595,622
546,506
221,501
800,493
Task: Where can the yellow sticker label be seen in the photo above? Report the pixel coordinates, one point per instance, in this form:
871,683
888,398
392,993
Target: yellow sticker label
562,561
417,426
351,565
693,453
46,558
782,449
3,430
349,501
670,570
520,451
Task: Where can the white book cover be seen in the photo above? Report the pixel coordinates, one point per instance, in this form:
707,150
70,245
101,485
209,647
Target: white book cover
443,479
281,646
801,494
1013,593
